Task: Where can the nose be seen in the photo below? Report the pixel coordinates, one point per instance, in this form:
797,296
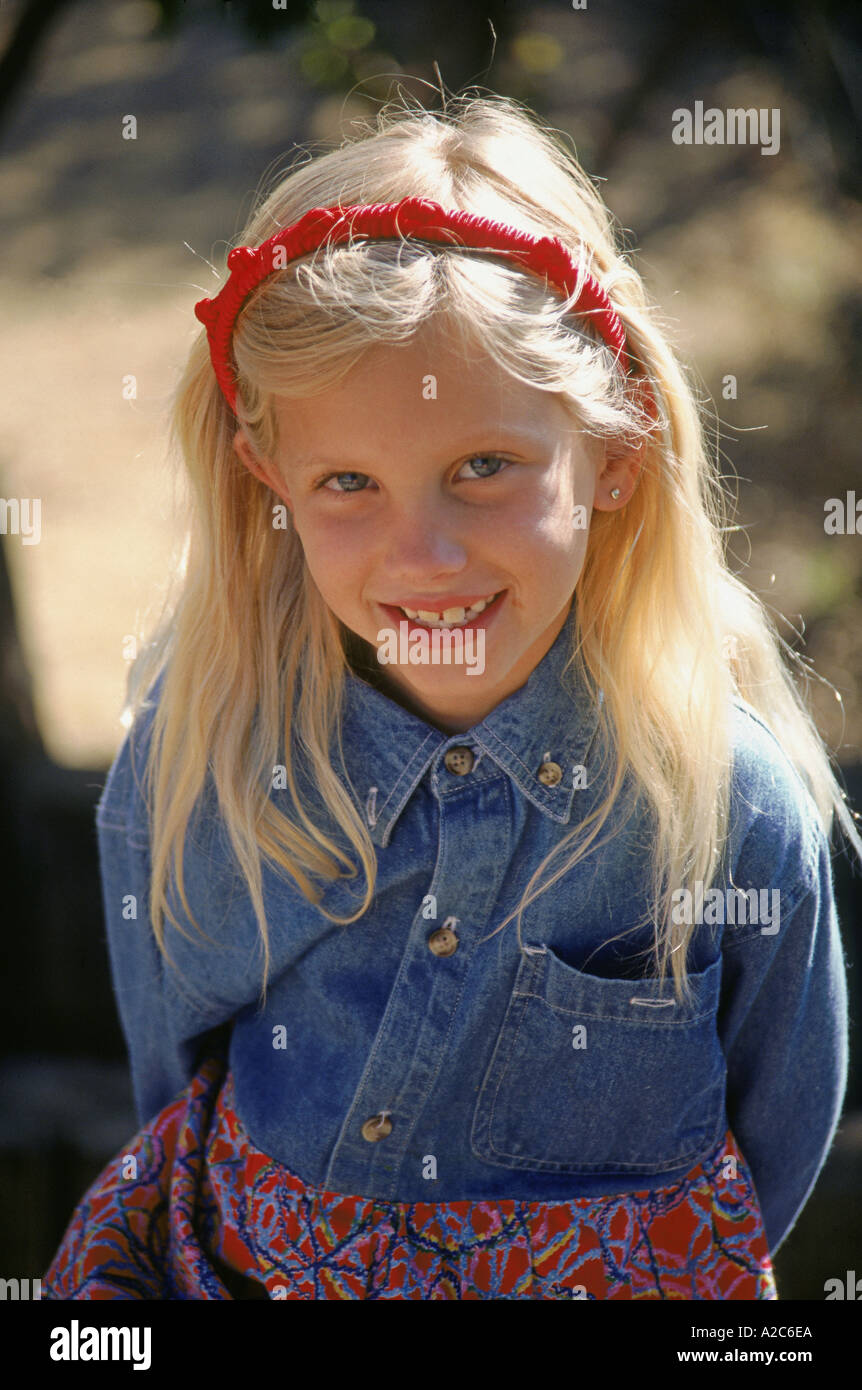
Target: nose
421,542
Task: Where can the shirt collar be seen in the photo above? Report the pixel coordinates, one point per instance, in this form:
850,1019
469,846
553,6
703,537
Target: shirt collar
388,750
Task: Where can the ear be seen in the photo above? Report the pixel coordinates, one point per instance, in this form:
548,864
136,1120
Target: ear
621,465
621,469
262,469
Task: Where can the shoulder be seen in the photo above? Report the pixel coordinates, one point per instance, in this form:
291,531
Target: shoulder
774,825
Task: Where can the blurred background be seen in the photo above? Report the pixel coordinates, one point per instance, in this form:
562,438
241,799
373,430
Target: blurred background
755,258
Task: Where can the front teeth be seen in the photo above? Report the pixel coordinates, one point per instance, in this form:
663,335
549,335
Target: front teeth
450,617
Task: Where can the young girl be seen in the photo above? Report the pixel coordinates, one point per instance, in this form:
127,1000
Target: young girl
465,865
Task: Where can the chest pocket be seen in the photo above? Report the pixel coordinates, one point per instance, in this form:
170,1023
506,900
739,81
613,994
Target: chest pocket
595,1075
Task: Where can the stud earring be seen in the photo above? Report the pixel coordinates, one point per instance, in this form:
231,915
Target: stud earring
615,492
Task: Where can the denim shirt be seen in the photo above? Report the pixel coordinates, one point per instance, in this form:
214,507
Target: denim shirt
549,1070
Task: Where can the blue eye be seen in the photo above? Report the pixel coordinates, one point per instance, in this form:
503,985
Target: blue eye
483,461
325,481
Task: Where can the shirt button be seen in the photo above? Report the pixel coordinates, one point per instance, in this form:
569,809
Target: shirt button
459,760
376,1128
443,942
550,774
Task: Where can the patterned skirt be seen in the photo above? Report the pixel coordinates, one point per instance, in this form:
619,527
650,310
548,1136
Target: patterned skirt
193,1210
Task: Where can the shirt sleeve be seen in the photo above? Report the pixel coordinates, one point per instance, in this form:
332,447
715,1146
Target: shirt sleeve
783,1029
164,1021
163,1030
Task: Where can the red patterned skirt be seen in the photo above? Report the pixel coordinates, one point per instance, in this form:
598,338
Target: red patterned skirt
193,1210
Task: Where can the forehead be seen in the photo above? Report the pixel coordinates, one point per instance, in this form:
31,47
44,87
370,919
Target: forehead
431,390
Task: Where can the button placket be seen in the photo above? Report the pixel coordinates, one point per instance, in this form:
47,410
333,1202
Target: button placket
408,1058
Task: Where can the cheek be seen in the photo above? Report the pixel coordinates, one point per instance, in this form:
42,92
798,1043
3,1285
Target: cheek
555,556
548,508
555,534
334,557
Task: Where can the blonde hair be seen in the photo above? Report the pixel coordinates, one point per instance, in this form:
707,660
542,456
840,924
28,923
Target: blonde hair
663,628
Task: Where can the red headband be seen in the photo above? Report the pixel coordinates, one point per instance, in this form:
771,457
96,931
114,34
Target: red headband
417,217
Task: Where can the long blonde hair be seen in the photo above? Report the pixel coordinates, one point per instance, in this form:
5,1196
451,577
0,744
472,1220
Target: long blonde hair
663,628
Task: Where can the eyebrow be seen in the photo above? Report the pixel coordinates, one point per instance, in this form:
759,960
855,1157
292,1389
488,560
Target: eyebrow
307,462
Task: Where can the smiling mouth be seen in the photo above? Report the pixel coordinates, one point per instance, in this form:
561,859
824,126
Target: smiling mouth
449,617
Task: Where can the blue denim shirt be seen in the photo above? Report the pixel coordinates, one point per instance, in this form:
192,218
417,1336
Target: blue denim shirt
547,1071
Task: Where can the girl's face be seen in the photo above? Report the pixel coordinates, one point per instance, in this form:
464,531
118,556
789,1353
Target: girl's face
430,481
